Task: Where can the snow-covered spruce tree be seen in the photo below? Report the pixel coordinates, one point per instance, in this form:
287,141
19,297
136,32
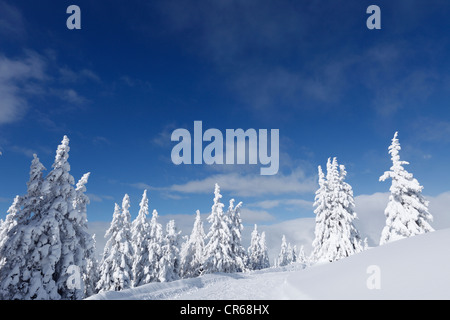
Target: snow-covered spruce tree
192,251
335,235
86,249
45,236
218,250
236,227
116,266
29,247
257,251
301,256
265,263
283,256
155,247
170,258
253,251
59,197
140,238
407,210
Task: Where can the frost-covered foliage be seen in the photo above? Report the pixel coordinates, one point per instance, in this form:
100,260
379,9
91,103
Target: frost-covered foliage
335,235
44,235
116,266
257,252
407,210
140,237
192,250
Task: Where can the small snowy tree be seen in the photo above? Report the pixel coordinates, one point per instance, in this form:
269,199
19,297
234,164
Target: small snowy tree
116,266
283,256
192,250
254,251
335,235
265,262
218,251
170,258
257,251
301,256
140,236
407,210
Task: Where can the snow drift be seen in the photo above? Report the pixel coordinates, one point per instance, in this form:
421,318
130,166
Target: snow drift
412,268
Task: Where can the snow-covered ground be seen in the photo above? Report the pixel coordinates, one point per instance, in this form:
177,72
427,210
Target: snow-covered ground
413,268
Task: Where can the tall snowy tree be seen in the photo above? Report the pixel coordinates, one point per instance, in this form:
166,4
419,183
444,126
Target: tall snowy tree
192,250
335,235
29,247
116,266
59,198
218,250
140,236
45,236
236,227
155,247
170,257
407,211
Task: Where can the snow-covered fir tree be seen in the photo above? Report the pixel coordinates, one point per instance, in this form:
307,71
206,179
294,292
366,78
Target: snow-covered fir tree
155,247
170,254
257,251
265,262
285,255
301,256
292,253
46,236
218,250
192,250
236,227
59,198
86,248
335,235
140,237
407,211
116,266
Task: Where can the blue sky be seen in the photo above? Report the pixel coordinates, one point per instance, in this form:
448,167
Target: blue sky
138,70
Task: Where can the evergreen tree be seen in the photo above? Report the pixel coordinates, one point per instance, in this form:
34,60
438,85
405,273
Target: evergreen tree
115,268
170,258
283,256
192,251
155,247
265,263
218,250
236,227
335,235
44,241
301,256
86,248
140,236
407,210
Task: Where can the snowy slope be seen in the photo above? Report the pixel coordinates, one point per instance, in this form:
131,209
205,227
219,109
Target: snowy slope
414,268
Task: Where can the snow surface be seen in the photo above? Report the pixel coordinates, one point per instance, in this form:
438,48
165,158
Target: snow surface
412,268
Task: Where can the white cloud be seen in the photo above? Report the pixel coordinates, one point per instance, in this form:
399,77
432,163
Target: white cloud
15,76
251,185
